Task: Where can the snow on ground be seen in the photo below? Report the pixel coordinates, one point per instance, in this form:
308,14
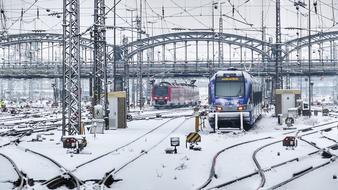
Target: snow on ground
285,172
278,153
7,174
319,179
33,165
186,170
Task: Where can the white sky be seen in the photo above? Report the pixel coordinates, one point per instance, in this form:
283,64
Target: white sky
177,13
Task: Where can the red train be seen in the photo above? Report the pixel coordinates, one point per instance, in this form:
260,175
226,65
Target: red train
170,95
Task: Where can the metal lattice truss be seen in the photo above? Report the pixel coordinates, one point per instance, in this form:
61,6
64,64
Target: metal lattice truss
100,63
39,37
294,45
14,68
147,43
71,104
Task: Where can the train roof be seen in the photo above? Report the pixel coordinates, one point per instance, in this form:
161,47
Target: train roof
175,84
231,72
238,73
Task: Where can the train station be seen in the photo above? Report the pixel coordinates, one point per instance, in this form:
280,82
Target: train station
177,94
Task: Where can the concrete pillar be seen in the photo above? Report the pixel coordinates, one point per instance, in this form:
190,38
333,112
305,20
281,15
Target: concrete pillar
175,58
230,55
41,50
20,53
53,56
196,68
185,52
163,54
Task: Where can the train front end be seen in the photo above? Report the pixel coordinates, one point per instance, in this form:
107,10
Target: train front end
161,95
229,93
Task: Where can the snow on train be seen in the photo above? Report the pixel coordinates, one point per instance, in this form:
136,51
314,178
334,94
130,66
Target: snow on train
234,93
165,94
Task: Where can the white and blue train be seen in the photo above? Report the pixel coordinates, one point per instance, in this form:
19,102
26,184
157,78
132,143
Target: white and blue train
235,99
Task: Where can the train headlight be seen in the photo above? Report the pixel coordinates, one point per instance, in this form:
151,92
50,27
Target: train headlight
219,108
241,108
166,98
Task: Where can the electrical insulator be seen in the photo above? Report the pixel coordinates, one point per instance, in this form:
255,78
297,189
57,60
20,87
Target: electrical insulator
162,11
315,5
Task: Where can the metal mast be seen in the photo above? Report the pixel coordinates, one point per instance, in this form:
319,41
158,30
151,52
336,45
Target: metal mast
71,87
139,55
100,63
220,32
3,18
279,75
309,55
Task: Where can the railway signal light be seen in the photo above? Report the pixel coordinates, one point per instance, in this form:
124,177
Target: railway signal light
290,141
74,142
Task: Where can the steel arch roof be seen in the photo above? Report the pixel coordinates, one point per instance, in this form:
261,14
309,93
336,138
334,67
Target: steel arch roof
304,41
158,40
39,37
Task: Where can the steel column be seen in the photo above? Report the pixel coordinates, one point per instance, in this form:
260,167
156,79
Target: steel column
71,90
100,64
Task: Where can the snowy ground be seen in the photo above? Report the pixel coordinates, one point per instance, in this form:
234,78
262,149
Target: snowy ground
144,141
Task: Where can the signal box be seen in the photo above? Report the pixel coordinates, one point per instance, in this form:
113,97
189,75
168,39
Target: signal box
290,141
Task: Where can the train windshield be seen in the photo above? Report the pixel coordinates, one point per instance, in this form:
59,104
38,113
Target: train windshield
161,91
229,88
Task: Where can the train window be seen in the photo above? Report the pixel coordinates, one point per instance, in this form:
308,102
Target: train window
229,88
161,91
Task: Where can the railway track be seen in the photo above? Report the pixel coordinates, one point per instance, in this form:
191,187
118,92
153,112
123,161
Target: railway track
16,136
22,180
38,172
163,114
261,170
106,178
109,175
307,131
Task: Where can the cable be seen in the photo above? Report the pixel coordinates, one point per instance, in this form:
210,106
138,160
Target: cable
159,16
245,21
189,14
23,13
306,8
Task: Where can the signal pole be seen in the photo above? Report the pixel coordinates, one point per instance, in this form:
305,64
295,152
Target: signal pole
309,57
139,54
279,68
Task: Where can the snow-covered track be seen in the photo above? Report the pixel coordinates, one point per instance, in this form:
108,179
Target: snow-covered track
306,131
42,172
18,135
214,160
274,167
109,175
123,146
261,170
164,114
103,173
65,172
21,177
